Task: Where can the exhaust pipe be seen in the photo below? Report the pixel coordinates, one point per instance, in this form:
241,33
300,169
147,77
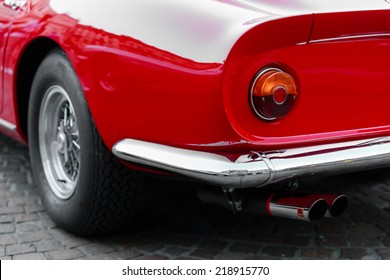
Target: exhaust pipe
298,206
337,204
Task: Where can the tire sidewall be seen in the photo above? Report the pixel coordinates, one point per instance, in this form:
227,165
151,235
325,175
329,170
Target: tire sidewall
57,70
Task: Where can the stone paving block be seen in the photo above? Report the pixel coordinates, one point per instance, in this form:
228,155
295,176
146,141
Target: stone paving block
7,239
16,161
365,229
6,219
20,218
11,210
294,228
19,249
66,254
231,256
34,208
318,253
279,239
332,228
107,256
353,253
3,187
363,241
14,193
24,189
7,228
150,247
3,202
331,241
260,237
16,180
30,256
279,251
295,240
153,257
385,240
204,254
371,256
26,227
174,251
68,239
248,248
3,193
13,173
123,242
95,249
213,244
128,254
262,257
385,226
33,199
233,234
15,201
384,253
186,241
45,220
9,167
186,259
48,245
31,236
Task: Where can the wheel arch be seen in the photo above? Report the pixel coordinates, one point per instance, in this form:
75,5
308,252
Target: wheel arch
29,61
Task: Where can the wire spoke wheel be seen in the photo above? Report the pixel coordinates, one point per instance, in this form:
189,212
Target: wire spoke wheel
59,143
84,188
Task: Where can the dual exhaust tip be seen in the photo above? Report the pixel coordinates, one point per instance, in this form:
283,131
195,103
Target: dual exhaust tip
299,206
308,207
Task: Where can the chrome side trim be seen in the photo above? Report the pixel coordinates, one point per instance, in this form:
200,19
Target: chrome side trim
363,36
259,168
7,125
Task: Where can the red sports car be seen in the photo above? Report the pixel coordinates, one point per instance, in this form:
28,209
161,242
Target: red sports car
235,93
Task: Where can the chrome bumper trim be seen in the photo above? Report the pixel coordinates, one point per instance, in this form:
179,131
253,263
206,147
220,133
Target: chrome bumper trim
7,125
257,169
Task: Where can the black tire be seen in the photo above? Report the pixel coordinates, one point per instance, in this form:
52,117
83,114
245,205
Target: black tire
104,193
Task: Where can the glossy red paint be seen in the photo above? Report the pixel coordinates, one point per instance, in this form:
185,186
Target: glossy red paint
7,101
135,90
336,80
6,16
335,26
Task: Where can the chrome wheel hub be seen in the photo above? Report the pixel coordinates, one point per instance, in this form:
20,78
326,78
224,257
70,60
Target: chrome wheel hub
59,142
61,139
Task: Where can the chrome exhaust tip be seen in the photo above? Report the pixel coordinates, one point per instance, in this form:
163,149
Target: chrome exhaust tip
337,204
305,207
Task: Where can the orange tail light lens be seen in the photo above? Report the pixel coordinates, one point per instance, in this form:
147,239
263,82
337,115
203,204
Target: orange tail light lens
273,94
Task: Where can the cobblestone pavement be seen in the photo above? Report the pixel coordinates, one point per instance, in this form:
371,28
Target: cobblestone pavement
178,226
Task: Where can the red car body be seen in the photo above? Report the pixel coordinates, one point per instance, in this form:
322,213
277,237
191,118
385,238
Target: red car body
341,73
177,74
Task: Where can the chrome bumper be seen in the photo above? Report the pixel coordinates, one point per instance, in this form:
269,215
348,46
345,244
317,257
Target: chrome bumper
257,169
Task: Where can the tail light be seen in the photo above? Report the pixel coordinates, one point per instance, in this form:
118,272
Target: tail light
273,94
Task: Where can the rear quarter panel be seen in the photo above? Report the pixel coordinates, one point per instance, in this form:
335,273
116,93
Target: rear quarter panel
341,72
